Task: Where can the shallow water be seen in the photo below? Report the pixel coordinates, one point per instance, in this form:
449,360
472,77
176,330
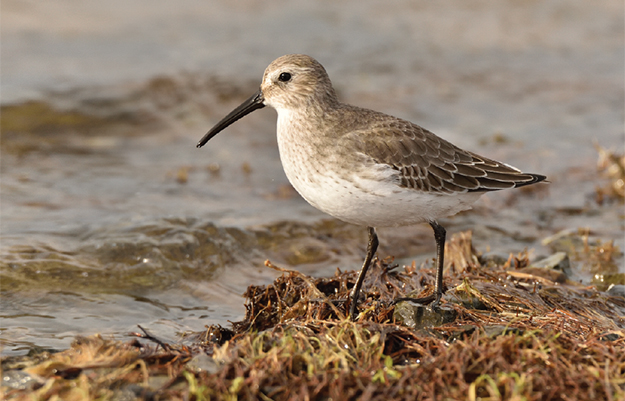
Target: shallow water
110,217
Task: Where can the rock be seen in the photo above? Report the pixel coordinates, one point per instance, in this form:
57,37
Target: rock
616,290
203,362
558,261
419,316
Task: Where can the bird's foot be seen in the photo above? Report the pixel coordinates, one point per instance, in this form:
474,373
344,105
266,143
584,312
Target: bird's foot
352,301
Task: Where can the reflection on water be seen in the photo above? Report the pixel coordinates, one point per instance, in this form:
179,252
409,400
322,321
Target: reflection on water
112,218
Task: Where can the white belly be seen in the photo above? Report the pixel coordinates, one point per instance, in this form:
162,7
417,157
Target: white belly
376,201
378,204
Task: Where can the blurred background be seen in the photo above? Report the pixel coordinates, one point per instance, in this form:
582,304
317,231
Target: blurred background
110,217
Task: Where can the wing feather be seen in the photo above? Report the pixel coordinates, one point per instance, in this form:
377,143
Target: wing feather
429,163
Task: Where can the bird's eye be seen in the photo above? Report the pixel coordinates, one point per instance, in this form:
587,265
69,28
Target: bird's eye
284,77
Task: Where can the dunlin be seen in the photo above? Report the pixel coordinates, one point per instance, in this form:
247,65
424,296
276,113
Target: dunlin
365,167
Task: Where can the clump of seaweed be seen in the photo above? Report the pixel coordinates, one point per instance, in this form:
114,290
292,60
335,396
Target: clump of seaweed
517,334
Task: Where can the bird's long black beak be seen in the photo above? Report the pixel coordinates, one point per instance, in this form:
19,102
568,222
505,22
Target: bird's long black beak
253,103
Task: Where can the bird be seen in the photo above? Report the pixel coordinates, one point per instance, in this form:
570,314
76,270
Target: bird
365,167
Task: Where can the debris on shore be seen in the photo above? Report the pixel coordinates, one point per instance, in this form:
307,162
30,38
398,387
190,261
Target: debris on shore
515,330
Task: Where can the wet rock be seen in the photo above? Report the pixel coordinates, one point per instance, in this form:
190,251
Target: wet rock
558,261
616,290
203,362
419,316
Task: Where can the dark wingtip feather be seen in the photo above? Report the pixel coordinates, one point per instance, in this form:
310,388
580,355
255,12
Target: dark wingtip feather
519,180
535,178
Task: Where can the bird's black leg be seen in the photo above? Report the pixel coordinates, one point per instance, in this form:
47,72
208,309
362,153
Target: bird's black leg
371,248
439,237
